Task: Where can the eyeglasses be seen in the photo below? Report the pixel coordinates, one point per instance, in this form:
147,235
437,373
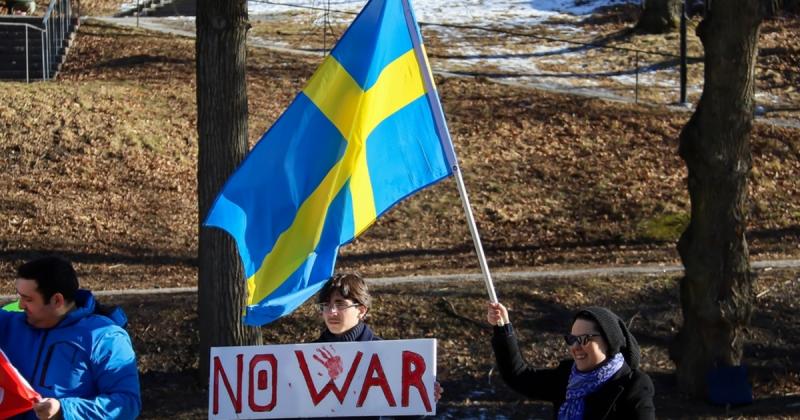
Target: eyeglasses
579,339
327,307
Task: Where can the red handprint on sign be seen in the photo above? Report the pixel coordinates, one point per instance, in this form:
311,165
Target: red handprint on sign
330,360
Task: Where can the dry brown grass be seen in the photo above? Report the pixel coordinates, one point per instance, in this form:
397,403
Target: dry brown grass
100,165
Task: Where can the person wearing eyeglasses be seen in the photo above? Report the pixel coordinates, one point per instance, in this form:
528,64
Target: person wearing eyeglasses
602,381
344,302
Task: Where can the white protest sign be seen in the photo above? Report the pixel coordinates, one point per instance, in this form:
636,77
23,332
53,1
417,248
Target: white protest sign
370,378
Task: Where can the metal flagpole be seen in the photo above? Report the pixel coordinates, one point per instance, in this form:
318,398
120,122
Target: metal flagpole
476,239
447,145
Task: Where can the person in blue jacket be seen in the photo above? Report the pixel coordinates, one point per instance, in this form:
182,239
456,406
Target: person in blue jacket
80,361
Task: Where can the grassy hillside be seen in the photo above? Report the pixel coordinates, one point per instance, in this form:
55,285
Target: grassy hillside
100,165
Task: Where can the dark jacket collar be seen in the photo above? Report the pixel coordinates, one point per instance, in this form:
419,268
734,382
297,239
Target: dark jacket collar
361,332
606,396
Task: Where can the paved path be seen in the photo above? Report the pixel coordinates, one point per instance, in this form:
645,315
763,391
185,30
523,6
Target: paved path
185,28
642,270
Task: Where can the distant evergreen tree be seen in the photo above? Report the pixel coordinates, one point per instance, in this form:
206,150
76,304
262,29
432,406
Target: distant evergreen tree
222,136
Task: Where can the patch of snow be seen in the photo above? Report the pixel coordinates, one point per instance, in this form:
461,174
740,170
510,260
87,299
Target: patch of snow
180,18
127,5
541,61
576,7
475,12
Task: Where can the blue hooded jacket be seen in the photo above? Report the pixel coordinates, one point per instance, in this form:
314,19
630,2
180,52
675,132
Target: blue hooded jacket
86,361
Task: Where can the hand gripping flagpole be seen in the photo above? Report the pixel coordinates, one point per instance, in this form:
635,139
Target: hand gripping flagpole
447,145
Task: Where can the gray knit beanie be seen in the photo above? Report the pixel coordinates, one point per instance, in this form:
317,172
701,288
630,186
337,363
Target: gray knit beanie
615,332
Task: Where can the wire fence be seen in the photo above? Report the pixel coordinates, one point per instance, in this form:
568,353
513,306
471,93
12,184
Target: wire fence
602,66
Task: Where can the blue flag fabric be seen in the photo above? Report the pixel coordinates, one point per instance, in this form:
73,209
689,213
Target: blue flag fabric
360,137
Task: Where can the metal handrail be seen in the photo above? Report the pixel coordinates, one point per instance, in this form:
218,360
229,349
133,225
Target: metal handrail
54,28
42,33
52,17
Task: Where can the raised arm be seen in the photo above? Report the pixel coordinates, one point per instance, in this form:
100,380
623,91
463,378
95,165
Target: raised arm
540,384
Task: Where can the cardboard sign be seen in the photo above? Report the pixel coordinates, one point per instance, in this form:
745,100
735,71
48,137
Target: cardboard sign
16,395
372,378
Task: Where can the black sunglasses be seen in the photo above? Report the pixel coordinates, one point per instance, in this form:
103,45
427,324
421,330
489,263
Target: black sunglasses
579,339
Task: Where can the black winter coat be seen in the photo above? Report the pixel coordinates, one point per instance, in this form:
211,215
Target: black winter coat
627,395
361,332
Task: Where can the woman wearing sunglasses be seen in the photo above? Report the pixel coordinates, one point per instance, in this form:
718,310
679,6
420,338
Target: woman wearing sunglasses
602,381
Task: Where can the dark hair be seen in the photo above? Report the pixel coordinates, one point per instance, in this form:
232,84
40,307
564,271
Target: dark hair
53,274
615,332
350,285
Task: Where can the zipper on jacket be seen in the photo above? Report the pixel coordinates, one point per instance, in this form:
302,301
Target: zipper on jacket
39,355
47,360
620,390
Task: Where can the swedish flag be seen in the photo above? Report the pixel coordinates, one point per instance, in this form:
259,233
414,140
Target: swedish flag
366,132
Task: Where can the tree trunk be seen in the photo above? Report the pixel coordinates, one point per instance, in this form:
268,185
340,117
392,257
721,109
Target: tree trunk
717,291
222,135
660,16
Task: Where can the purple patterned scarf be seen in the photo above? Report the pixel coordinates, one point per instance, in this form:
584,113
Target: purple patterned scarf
582,384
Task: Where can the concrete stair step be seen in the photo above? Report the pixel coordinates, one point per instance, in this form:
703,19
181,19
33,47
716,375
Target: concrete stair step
33,48
33,20
7,58
19,34
20,65
19,39
19,75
